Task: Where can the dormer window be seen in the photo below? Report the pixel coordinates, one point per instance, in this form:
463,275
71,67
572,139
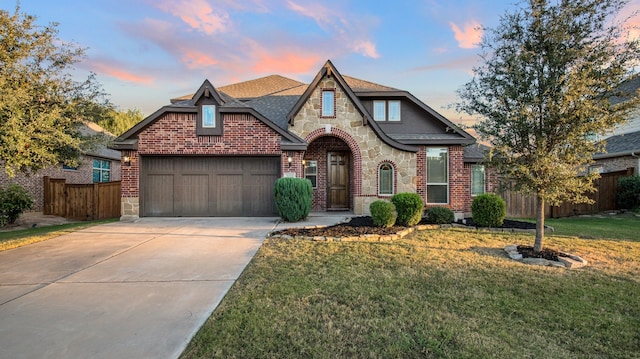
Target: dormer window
208,116
386,111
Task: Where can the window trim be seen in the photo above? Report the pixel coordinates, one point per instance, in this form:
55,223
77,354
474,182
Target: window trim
484,181
306,175
393,179
332,91
202,130
204,116
448,169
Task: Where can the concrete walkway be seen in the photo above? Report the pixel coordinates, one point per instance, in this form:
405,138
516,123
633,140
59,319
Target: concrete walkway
124,290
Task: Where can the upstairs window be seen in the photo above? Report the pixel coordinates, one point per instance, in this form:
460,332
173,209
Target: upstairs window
385,179
208,116
394,110
379,110
328,103
386,111
477,180
101,171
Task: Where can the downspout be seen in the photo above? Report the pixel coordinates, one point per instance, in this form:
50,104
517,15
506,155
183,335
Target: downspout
633,154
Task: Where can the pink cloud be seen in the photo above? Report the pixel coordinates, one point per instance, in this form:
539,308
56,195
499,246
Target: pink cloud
469,36
286,62
331,20
198,14
115,69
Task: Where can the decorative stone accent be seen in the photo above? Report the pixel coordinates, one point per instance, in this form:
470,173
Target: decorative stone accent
130,208
569,262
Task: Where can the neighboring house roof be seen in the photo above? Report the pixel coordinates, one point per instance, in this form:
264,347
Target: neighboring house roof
100,150
475,152
276,100
621,145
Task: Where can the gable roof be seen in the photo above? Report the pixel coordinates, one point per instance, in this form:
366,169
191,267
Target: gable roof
329,70
621,145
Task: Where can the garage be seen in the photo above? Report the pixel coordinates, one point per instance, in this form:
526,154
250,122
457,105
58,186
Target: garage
204,186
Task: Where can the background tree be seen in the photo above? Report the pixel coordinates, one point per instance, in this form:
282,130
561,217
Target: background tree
41,106
119,121
543,91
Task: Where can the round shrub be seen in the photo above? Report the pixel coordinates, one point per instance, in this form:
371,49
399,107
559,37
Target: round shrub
13,201
383,213
409,207
293,198
488,210
629,192
440,215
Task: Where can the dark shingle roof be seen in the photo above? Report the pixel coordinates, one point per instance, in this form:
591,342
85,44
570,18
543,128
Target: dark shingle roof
275,108
475,152
621,144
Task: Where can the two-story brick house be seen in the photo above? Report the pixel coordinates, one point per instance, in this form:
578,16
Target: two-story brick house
219,151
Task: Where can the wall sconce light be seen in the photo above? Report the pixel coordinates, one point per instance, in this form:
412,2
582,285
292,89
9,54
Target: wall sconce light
304,163
126,160
289,159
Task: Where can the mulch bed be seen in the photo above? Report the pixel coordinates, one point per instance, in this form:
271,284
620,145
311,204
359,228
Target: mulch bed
507,224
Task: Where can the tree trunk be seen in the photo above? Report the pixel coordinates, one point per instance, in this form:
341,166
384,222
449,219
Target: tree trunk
537,246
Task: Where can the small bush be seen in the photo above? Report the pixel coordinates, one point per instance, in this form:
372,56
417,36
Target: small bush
409,207
293,198
488,210
629,192
440,215
14,200
383,213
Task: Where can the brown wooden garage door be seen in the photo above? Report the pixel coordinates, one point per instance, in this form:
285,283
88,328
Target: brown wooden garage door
208,186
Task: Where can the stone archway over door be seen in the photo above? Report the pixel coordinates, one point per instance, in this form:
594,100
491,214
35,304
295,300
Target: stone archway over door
338,180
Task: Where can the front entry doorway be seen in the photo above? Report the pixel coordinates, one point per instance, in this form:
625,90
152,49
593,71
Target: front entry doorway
338,181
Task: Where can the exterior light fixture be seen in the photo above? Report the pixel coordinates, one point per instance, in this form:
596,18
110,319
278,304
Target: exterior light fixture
289,159
126,160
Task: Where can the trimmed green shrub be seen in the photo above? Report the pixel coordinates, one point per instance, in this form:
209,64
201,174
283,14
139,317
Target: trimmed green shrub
383,213
488,210
629,192
13,201
440,215
293,198
409,207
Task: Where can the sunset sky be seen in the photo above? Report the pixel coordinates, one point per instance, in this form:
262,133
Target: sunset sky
145,52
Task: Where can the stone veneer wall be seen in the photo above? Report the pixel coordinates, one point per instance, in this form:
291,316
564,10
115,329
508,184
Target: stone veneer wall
618,164
367,150
175,134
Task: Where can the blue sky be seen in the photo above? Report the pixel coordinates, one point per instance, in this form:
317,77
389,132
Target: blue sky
145,52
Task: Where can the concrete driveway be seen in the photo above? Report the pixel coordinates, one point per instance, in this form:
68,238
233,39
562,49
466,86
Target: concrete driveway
121,290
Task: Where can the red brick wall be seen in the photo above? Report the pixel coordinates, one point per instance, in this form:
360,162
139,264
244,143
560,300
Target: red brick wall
175,134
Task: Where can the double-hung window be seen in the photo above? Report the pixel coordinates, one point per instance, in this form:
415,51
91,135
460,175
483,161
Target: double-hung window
386,111
477,180
101,170
328,103
437,175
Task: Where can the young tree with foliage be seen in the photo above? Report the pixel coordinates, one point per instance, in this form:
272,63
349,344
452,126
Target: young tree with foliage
543,91
41,106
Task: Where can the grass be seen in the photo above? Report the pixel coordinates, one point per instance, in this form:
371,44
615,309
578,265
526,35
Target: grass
21,237
447,293
617,227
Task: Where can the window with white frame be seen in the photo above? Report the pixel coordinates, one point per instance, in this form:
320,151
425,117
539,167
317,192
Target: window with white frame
208,116
101,170
379,110
477,180
437,175
385,179
311,172
328,103
394,110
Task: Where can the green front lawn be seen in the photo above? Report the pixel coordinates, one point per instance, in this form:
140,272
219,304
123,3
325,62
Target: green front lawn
446,293
617,227
21,237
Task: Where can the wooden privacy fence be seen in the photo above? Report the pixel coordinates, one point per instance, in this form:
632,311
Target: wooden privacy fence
83,202
524,206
